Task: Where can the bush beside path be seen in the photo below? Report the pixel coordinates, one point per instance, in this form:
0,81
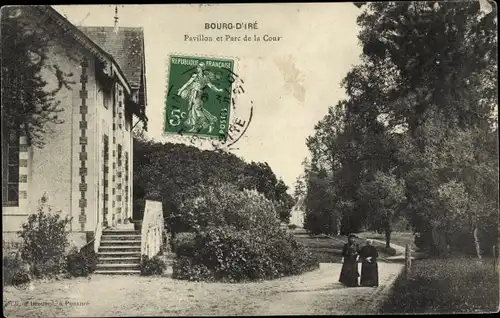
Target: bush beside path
316,292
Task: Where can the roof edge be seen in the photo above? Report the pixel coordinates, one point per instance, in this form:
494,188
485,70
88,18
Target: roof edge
85,41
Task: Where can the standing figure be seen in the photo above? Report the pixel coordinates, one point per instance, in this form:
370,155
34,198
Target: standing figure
369,267
192,91
349,273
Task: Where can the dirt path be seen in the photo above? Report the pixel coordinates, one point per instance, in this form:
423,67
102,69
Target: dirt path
316,292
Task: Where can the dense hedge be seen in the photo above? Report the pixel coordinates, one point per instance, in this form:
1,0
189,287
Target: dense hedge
236,237
224,253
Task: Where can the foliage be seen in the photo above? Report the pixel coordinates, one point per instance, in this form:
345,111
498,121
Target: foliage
228,254
423,115
383,195
401,224
14,270
225,204
390,251
174,173
183,243
152,266
45,239
321,215
81,262
27,102
236,236
445,286
300,187
186,268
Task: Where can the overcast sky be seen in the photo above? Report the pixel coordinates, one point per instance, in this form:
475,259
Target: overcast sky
290,83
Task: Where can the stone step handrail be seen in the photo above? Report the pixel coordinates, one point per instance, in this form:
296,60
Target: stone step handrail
97,236
152,228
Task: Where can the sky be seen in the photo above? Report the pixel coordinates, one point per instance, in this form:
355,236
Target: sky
290,83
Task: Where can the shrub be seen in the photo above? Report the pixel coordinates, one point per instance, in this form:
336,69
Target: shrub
227,205
184,244
228,254
236,237
389,251
292,226
45,240
81,262
14,270
185,268
152,266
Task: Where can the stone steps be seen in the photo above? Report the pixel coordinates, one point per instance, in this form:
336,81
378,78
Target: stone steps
117,237
120,248
120,242
118,272
119,252
118,266
104,259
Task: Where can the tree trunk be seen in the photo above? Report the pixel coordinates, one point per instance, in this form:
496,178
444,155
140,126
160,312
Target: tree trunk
476,241
339,223
388,231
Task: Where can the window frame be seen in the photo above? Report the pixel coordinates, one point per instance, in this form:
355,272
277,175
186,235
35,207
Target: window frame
11,162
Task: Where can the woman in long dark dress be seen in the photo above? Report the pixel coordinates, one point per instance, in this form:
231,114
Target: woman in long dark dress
349,273
369,266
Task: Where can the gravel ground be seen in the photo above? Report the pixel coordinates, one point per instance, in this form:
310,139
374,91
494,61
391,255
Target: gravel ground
316,292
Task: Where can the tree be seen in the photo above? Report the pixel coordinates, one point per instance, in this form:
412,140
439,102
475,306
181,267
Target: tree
260,177
436,87
419,109
383,196
320,215
300,188
27,103
174,173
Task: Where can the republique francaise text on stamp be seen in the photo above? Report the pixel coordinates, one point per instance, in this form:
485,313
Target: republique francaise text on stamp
199,97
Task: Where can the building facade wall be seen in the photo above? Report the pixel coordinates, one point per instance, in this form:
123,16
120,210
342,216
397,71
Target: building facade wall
70,168
114,183
54,169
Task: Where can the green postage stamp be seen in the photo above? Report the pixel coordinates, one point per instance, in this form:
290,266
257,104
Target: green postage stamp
199,97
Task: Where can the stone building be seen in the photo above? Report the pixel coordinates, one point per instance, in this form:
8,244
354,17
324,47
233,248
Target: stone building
85,167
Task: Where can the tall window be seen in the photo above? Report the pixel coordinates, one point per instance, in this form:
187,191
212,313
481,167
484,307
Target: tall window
126,182
10,167
119,155
105,177
119,174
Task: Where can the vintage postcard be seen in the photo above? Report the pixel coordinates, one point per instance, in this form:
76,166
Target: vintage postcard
250,159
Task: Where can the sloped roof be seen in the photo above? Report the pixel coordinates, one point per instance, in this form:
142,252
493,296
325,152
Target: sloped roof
81,38
126,46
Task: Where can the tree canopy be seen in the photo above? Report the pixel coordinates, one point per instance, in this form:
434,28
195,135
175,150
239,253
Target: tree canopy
174,173
417,134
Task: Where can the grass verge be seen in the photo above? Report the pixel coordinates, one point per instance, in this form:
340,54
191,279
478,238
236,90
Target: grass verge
450,285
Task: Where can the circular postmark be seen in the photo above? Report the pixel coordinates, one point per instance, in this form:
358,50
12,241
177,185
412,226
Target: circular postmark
205,101
20,280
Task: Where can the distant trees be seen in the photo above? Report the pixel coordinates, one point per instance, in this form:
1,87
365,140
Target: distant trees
173,173
416,136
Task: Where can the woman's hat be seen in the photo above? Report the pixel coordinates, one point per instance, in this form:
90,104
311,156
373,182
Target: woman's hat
352,235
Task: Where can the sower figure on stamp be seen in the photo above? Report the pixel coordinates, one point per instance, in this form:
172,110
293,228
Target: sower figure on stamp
197,116
369,266
349,273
